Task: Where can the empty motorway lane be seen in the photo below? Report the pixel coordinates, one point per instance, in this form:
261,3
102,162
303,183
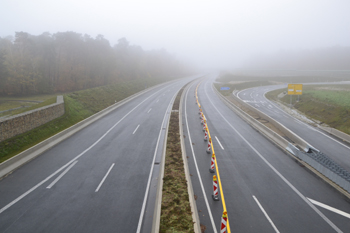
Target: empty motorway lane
338,151
99,179
265,190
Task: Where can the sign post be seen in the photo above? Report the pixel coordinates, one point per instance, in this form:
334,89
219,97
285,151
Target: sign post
294,89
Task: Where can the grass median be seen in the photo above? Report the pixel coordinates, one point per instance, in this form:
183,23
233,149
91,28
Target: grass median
176,215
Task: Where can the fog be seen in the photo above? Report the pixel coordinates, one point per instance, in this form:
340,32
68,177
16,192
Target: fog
207,34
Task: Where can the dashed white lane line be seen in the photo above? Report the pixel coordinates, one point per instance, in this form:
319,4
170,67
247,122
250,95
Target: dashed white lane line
219,143
275,170
143,208
104,178
149,110
74,159
157,101
60,176
266,215
136,129
329,208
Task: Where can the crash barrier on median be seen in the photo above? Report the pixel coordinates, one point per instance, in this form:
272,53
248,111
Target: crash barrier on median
326,166
335,132
31,153
289,134
316,159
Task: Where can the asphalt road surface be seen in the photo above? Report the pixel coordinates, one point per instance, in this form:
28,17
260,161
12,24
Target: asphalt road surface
264,189
102,179
332,147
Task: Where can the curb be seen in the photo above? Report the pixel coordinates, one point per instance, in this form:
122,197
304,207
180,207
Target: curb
158,202
195,217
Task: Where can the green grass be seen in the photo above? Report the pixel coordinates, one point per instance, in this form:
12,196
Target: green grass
78,106
176,215
328,104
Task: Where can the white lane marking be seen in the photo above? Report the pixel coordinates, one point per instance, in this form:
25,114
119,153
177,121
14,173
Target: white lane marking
149,110
219,143
157,101
78,156
277,172
195,163
104,178
62,174
151,171
266,215
297,122
330,208
284,112
136,129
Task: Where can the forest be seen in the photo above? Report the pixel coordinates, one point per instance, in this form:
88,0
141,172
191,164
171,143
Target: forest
69,61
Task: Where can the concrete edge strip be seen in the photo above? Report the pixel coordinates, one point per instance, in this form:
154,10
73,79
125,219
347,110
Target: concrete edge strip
159,195
195,216
22,158
158,202
277,142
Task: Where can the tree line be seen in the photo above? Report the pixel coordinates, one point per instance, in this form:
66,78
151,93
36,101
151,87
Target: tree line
69,61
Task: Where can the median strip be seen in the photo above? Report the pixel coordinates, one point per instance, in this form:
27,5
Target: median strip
176,215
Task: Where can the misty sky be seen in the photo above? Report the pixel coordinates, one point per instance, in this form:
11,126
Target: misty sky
217,34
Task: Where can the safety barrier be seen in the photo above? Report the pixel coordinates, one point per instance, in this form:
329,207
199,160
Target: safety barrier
316,159
216,178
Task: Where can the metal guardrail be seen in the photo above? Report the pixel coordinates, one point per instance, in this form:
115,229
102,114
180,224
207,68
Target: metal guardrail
316,159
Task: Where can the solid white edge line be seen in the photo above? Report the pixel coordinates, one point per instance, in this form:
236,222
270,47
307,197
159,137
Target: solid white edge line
136,129
329,208
266,215
62,174
317,130
195,163
219,143
149,110
139,225
72,160
104,178
277,172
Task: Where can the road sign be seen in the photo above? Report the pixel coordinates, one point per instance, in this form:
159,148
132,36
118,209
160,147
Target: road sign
295,89
224,88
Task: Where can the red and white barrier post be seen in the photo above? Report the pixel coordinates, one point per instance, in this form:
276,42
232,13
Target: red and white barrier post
223,228
206,133
212,164
209,146
215,187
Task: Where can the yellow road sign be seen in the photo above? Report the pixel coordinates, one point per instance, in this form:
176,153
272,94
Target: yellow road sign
295,89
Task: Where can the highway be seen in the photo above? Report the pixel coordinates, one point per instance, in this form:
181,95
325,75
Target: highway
102,179
335,149
264,189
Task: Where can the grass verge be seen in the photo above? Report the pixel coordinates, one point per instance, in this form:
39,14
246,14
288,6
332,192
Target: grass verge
78,106
176,215
327,104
